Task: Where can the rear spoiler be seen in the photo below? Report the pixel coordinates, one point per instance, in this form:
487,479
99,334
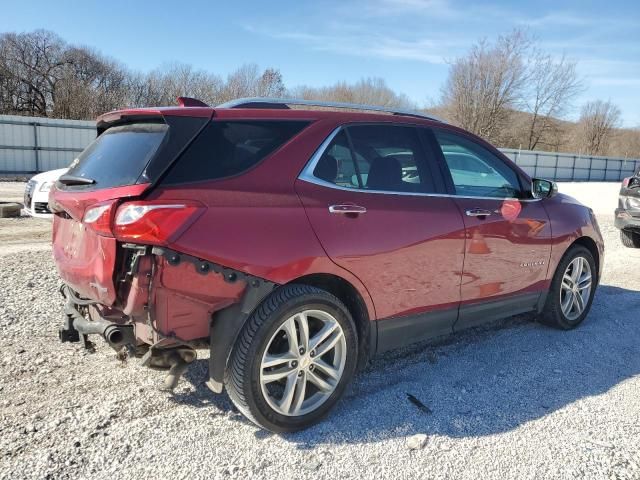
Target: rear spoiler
119,117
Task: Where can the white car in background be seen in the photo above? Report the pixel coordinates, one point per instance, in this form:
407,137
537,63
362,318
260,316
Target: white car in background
36,194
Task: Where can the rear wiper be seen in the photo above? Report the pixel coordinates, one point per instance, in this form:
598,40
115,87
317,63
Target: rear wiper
75,180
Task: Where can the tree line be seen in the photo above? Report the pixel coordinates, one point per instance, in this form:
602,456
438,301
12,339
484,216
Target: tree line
515,95
508,91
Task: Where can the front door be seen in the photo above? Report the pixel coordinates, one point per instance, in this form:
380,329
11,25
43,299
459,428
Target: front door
365,195
507,234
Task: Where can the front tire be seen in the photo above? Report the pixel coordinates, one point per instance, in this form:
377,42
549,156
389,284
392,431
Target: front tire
572,289
293,359
630,239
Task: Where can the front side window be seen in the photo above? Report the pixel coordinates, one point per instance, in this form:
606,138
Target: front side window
475,171
376,157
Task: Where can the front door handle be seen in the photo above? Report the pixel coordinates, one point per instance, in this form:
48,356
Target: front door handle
346,209
478,212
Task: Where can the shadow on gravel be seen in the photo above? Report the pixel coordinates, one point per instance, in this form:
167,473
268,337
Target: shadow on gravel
480,382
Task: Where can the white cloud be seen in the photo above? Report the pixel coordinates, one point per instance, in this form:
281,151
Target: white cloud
431,8
366,44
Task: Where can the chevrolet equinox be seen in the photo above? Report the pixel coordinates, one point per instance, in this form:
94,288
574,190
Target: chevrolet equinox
294,243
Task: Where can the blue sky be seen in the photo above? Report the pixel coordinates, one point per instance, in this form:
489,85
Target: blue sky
406,42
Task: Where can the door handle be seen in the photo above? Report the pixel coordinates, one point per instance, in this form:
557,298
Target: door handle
347,209
478,212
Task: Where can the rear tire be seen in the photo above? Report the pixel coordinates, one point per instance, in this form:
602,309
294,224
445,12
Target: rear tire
566,307
284,384
630,239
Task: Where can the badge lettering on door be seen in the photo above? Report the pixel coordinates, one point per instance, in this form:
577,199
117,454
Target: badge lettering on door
532,264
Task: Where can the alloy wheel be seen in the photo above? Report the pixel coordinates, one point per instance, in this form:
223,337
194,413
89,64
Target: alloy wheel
575,288
303,362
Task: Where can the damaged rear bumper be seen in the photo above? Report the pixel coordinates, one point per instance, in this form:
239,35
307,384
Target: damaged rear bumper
169,304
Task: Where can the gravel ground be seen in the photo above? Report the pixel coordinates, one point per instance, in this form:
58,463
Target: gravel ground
12,191
512,400
22,233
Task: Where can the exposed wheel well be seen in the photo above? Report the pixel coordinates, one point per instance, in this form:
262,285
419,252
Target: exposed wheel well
590,245
352,299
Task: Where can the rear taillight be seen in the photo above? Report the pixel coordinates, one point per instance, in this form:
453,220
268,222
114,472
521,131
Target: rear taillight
155,223
625,182
98,218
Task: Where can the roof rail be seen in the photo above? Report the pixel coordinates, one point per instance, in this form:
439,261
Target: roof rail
283,103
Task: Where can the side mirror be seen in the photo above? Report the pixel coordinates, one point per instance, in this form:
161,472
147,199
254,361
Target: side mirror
543,188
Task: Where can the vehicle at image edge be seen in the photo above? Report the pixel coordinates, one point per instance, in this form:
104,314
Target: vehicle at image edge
627,215
36,193
295,244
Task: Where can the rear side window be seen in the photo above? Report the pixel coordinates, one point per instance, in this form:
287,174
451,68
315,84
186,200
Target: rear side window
225,149
120,155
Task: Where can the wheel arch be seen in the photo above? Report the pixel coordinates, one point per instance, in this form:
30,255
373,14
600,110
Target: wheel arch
590,244
348,294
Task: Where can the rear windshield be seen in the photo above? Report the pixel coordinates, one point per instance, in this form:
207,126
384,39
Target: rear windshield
119,155
227,148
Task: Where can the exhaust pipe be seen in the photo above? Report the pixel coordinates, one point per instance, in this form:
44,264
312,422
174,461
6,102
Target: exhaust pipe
176,359
115,334
179,364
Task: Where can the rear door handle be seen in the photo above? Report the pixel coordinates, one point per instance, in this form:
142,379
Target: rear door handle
347,209
478,212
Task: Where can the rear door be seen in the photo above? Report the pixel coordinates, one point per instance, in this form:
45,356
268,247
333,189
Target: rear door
367,195
508,233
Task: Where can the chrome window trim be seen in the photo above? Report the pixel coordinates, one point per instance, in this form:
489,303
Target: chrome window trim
307,176
307,171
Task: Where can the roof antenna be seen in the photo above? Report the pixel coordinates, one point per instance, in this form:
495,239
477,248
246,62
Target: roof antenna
190,102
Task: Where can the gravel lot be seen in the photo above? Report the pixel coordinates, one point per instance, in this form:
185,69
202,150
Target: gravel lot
513,400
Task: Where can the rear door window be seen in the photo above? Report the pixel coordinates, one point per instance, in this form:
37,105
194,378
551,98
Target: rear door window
228,148
119,156
386,158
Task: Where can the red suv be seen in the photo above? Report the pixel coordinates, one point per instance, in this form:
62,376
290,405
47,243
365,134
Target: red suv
295,244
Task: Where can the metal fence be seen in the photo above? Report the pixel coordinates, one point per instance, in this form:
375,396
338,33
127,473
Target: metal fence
572,167
33,144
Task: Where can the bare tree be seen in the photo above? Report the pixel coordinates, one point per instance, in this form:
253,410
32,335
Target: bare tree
596,126
368,91
487,84
31,65
162,86
271,84
89,85
626,143
40,74
550,87
248,81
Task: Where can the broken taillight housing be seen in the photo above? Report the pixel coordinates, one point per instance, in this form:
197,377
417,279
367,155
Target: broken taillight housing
150,222
154,222
98,218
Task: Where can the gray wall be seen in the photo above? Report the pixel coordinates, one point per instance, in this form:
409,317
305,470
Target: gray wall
568,166
33,144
